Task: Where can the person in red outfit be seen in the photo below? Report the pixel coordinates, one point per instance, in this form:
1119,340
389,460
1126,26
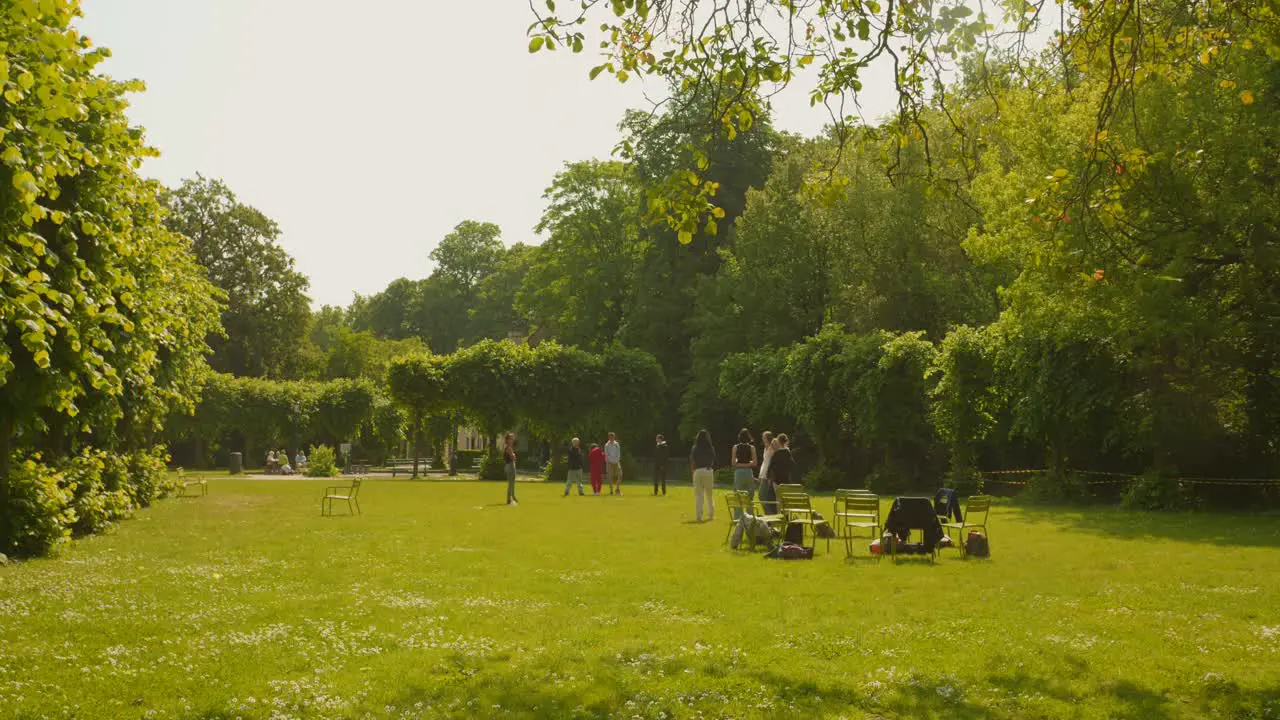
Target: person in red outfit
596,459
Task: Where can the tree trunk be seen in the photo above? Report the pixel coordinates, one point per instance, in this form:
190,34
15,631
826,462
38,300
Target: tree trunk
6,435
453,447
199,451
417,433
248,453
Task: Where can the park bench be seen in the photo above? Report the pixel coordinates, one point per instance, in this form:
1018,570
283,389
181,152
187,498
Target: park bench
406,464
346,493
356,469
184,484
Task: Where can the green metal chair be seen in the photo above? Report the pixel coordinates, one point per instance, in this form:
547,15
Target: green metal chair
855,512
976,509
184,484
797,510
349,493
739,500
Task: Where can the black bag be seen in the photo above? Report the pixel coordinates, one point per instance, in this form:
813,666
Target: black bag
976,545
794,534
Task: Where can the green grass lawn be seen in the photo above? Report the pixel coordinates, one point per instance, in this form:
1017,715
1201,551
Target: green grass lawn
440,602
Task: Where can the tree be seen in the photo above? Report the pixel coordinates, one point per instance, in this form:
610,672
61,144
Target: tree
420,384
584,273
267,309
103,313
467,254
733,56
488,379
496,313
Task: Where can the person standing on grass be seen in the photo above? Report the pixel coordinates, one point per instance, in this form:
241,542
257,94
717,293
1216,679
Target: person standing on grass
768,494
597,460
702,462
660,457
783,466
575,467
744,466
613,455
509,457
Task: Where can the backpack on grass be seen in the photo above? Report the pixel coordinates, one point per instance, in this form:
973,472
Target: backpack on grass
976,545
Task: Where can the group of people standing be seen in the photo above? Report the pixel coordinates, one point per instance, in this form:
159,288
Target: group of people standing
775,463
606,461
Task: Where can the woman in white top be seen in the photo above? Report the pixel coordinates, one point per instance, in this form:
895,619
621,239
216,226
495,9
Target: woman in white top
768,494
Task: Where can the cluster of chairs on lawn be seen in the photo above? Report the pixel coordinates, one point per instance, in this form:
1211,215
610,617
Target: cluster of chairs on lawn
854,512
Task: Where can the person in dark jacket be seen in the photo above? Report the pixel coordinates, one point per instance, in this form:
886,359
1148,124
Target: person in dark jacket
575,467
660,457
783,465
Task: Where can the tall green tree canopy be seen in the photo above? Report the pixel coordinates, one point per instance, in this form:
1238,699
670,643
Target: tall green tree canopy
469,252
103,312
267,307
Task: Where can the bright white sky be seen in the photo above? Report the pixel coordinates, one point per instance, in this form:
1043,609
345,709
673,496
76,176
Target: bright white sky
369,129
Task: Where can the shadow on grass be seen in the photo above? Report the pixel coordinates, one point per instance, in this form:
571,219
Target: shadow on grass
464,687
1238,529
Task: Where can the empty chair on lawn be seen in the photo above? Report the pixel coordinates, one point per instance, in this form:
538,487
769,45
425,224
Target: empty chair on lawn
976,509
348,493
855,512
184,484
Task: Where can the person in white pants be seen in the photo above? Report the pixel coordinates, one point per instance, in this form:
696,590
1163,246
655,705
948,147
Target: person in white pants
702,461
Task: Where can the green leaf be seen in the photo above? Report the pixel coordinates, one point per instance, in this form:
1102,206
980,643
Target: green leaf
536,43
596,71
1060,173
685,237
26,182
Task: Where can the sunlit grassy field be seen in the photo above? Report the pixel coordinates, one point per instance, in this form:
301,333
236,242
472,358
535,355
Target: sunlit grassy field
439,601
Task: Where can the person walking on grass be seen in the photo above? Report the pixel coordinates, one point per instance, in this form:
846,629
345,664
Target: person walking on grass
660,457
702,462
596,459
768,493
613,455
509,458
744,467
575,467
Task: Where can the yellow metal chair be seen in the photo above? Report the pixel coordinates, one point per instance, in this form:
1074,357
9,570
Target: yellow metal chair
976,509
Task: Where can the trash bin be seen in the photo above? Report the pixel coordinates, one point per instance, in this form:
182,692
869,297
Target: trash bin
237,463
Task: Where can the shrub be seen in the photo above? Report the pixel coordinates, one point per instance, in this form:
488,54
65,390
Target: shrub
827,477
468,459
492,467
1047,489
1155,492
321,462
37,516
147,477
95,506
